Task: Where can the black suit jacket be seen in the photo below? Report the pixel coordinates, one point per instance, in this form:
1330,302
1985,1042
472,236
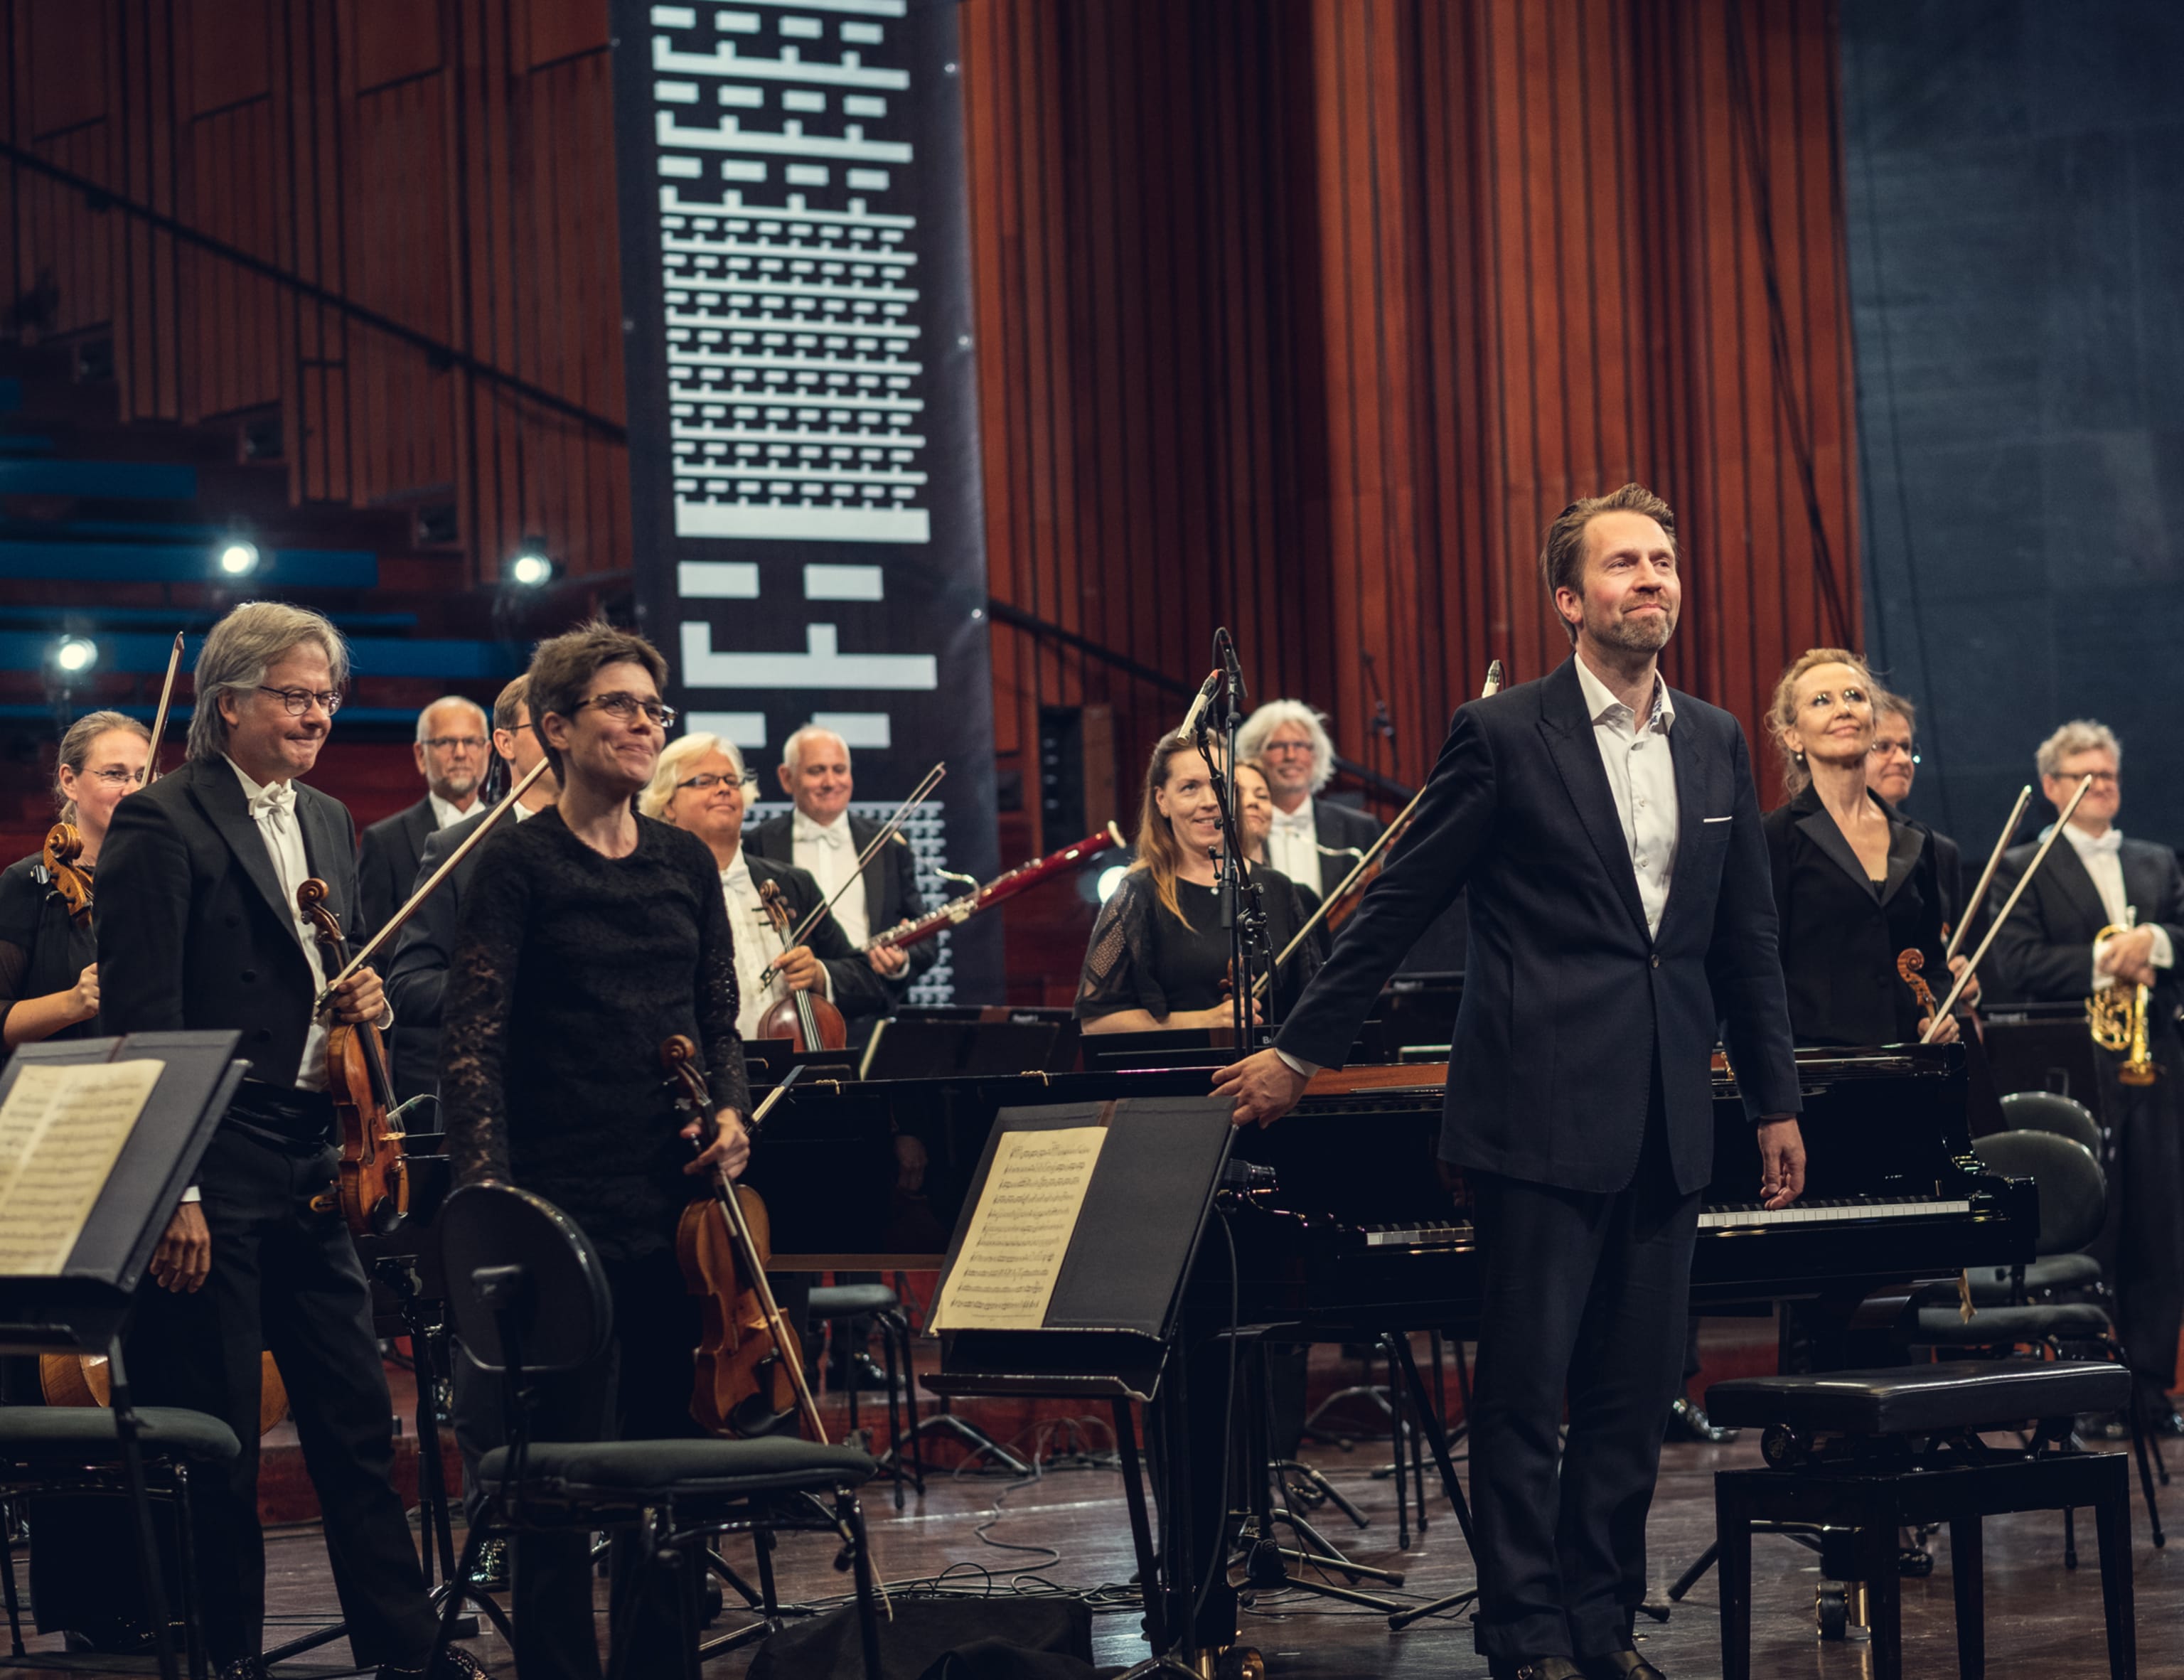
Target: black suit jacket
2044,952
890,884
1839,937
416,973
858,993
1568,1004
387,862
1338,829
193,931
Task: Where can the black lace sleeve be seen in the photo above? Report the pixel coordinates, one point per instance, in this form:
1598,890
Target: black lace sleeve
1118,963
1286,913
718,996
474,1021
21,898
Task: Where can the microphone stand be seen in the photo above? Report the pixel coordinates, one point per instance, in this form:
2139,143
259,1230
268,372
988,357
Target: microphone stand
1243,904
1383,724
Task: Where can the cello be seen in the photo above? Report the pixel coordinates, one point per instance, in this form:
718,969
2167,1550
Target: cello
750,1364
374,1187
808,1019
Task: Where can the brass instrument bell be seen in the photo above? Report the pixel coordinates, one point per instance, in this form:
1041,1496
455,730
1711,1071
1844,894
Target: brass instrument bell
2117,1019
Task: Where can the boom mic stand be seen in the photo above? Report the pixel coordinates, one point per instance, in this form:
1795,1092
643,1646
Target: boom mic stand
1243,907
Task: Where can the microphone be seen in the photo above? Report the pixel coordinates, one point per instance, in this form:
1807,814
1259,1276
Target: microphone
1206,690
1226,646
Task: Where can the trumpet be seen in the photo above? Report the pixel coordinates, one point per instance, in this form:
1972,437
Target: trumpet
2117,1019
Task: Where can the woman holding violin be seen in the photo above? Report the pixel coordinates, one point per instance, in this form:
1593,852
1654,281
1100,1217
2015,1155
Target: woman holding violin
589,936
1159,955
701,785
48,955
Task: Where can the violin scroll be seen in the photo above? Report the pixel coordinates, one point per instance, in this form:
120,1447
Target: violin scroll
63,845
1908,967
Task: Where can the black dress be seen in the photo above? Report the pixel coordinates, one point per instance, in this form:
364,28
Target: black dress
569,968
40,951
1141,957
1841,933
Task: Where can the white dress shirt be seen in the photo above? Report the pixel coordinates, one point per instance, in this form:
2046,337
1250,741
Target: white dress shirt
2103,857
1293,846
756,943
1641,776
446,816
827,850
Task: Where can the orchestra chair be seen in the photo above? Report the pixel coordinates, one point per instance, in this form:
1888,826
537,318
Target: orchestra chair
529,1300
74,1449
1857,1454
2051,1111
839,1306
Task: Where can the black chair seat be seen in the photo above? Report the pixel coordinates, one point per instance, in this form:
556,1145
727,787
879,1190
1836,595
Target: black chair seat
645,1471
2055,1274
86,1433
1994,1327
851,1300
1921,1400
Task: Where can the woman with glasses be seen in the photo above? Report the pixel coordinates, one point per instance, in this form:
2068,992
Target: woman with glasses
1855,884
701,784
589,935
1891,765
48,964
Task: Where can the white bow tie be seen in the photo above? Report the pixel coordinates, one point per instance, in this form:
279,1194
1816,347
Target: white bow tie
2111,842
280,801
1298,821
812,831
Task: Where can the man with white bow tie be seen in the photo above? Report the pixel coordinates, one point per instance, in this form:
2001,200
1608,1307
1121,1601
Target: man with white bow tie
2047,952
822,837
198,930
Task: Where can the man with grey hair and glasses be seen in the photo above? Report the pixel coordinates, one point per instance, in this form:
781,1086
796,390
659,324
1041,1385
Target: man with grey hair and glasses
199,928
2056,948
1315,841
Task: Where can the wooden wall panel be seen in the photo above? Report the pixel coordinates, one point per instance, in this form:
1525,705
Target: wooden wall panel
1306,315
447,163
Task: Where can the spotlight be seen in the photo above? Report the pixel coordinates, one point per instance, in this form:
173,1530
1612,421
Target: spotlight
530,567
75,655
238,557
1110,879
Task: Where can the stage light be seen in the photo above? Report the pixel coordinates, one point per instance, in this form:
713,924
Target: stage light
1110,879
238,557
75,655
531,567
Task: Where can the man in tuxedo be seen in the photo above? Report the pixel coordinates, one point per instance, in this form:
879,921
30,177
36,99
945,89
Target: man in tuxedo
821,838
1621,914
1315,842
2047,952
199,928
450,751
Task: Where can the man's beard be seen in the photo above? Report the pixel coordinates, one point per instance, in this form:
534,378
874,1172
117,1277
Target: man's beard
453,787
1647,634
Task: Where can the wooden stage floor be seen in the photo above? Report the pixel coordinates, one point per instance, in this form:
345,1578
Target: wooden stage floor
1068,1528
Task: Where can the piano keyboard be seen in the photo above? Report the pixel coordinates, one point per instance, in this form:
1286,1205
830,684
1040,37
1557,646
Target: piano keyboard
1740,1215
1450,1236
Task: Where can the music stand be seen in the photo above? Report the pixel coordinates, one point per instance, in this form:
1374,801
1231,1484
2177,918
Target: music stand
83,1308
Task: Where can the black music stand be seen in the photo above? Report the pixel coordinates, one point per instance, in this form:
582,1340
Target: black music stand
84,1307
1112,1323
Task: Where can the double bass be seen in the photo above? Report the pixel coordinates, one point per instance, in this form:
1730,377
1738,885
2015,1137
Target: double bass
750,1364
374,1186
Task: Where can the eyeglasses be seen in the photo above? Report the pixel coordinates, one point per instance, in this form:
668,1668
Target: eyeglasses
118,779
298,702
708,780
2106,778
1284,746
1882,748
621,707
446,743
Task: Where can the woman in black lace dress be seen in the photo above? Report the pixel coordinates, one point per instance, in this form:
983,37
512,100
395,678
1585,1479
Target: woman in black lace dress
1159,955
589,935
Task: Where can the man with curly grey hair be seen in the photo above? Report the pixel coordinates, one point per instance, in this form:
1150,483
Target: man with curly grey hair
2052,950
1315,841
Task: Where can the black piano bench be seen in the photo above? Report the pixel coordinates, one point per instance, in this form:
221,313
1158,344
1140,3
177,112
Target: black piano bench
1872,1451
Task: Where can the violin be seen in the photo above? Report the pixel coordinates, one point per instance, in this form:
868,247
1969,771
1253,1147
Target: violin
806,1018
70,880
1908,967
750,1364
374,1188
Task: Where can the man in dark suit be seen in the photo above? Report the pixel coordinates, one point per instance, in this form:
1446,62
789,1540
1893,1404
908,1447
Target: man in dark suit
451,753
823,839
1621,915
2048,951
1891,765
1315,841
197,927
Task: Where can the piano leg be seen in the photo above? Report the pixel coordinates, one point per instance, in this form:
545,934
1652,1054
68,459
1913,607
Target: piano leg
1732,1533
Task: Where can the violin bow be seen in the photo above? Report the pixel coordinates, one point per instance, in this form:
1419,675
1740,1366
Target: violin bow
2008,905
364,952
890,830
159,717
1259,987
1986,876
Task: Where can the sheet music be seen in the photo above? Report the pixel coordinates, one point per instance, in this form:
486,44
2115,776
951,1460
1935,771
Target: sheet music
1005,1273
61,1130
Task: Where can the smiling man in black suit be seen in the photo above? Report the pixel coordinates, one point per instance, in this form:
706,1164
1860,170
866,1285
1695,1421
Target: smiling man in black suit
1622,918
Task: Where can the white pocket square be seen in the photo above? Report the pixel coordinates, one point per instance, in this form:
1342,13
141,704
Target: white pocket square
1718,819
